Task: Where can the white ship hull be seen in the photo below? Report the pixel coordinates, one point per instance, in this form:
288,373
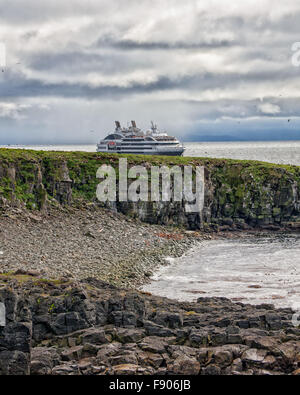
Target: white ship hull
170,151
133,140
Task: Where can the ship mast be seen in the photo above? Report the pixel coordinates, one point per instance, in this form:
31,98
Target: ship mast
153,127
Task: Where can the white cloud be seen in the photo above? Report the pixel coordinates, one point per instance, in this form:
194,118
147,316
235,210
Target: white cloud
13,110
269,108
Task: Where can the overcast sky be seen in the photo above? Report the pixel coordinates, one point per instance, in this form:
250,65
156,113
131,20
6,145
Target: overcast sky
197,68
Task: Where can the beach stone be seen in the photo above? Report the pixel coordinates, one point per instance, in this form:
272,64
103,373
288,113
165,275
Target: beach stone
222,357
253,355
265,342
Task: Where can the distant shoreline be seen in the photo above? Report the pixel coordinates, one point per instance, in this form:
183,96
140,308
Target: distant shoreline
184,141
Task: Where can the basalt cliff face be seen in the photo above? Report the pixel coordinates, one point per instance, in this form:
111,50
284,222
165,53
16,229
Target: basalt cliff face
237,194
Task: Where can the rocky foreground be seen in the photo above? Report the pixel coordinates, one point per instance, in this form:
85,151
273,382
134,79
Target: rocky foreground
87,327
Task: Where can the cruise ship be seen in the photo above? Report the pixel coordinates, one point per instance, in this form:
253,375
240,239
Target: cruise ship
132,140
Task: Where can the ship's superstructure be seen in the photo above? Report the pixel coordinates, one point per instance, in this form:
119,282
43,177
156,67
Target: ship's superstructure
132,140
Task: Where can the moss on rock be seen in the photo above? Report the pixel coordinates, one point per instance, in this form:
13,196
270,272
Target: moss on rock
253,191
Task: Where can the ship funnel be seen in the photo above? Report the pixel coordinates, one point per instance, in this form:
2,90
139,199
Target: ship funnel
118,125
153,127
133,124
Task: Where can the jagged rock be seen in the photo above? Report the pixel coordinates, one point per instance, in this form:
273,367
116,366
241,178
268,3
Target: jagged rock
72,353
107,351
123,318
125,369
16,337
153,344
128,358
169,320
184,365
85,366
43,360
222,357
273,321
14,363
289,352
269,362
93,336
67,323
153,329
129,335
265,342
199,338
244,324
211,370
252,355
237,365
89,350
69,369
177,350
148,358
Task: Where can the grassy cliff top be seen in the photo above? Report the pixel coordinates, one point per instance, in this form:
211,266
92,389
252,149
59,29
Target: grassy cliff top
233,187
12,155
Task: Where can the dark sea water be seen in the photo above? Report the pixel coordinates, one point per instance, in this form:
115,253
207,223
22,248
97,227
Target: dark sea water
252,270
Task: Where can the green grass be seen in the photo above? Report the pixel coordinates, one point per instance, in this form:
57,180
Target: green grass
235,182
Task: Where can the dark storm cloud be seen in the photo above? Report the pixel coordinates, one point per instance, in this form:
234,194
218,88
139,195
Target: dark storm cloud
81,62
163,45
17,85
